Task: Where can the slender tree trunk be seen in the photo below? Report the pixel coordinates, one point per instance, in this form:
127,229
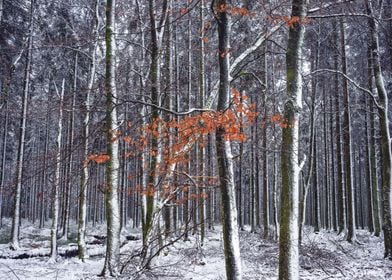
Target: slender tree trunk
288,243
223,150
3,155
266,204
275,162
340,186
44,168
347,147
374,166
202,149
151,217
14,245
56,186
68,180
333,170
84,177
327,205
112,144
315,182
368,163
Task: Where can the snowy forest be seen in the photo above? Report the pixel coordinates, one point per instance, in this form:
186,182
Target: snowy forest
195,139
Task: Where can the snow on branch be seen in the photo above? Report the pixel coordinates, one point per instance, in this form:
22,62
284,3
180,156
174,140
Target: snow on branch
354,83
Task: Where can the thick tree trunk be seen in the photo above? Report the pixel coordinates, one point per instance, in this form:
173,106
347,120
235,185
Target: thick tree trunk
288,241
223,150
386,153
111,267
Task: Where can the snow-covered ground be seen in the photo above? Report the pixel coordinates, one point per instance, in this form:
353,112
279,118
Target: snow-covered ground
323,256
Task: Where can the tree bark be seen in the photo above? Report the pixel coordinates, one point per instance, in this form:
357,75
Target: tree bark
223,150
386,153
56,186
14,245
288,243
347,147
84,177
112,144
341,197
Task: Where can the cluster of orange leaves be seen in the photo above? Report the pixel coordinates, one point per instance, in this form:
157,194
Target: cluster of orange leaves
193,128
97,158
176,134
281,121
289,21
232,10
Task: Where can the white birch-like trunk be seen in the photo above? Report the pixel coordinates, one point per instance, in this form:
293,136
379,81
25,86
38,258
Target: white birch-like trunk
56,186
111,267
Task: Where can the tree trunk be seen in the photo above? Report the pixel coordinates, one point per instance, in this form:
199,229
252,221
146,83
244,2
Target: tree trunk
288,243
223,150
84,177
56,186
385,138
69,181
112,165
4,151
202,149
266,204
374,166
368,163
14,245
341,197
347,147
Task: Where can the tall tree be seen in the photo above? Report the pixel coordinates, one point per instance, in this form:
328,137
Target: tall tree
386,153
112,145
84,178
223,150
56,185
347,147
14,245
290,168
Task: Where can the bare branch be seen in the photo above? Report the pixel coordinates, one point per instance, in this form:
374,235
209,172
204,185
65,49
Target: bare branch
354,83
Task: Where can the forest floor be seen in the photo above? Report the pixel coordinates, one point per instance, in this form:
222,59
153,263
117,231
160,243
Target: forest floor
323,256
